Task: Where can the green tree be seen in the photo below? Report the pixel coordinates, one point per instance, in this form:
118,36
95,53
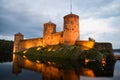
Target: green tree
6,49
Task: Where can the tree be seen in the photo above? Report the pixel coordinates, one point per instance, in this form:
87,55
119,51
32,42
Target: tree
6,49
91,39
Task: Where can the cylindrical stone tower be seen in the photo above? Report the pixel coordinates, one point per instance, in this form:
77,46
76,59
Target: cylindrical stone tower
17,38
71,29
49,28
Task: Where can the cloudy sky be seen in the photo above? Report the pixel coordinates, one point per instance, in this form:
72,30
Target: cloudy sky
99,19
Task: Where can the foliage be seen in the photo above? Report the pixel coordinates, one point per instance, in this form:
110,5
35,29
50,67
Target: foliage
91,39
6,49
91,54
62,51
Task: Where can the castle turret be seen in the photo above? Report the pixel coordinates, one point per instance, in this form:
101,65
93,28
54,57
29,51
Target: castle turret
71,29
17,38
49,28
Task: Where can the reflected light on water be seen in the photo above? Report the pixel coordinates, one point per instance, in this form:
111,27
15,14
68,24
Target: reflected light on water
88,72
24,57
86,61
55,71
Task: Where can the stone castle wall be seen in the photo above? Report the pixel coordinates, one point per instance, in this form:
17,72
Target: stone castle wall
28,43
57,38
53,39
104,47
86,45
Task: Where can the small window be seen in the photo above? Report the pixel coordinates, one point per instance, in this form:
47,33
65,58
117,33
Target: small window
61,35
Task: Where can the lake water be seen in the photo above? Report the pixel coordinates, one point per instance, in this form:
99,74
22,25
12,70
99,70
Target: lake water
23,69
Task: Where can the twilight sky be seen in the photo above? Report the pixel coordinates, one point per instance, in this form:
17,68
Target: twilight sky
99,19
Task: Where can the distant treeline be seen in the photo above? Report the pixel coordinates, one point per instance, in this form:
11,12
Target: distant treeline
116,49
6,49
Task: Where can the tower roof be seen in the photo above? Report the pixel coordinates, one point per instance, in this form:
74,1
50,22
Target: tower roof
71,15
50,23
19,34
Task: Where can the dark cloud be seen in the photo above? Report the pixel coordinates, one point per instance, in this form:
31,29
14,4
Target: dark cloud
28,16
12,22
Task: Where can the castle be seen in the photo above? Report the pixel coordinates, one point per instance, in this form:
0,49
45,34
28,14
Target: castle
69,36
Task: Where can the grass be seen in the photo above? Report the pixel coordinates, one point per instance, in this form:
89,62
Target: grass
55,52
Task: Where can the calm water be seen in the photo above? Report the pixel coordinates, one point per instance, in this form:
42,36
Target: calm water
23,69
117,52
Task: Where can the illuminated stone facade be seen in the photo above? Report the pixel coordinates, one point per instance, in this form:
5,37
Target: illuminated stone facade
69,36
71,29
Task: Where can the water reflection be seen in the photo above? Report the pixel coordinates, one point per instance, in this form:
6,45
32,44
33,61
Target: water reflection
67,70
5,57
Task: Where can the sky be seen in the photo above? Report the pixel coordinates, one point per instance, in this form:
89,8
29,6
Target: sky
99,19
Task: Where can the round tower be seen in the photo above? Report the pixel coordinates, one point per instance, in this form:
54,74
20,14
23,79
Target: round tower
71,29
49,28
17,38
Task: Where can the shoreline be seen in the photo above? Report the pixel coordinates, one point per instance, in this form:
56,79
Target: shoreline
117,57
